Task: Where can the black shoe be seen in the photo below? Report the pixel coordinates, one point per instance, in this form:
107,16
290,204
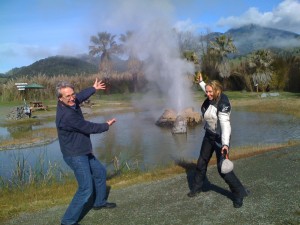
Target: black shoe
237,202
107,205
194,192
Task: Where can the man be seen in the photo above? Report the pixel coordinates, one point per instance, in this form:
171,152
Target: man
75,144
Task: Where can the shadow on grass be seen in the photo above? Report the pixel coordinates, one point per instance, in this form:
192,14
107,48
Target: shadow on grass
190,170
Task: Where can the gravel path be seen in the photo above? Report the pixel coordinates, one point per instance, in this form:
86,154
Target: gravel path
273,179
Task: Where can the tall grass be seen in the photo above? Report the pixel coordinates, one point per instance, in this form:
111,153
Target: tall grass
24,174
118,83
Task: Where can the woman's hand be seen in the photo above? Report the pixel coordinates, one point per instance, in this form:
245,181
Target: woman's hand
225,150
199,77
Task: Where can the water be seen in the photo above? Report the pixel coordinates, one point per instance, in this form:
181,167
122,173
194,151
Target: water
137,140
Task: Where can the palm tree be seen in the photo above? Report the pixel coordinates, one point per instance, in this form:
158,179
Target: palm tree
104,45
259,66
220,48
124,38
134,64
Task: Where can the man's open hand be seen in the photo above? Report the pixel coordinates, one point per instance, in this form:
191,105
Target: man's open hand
99,85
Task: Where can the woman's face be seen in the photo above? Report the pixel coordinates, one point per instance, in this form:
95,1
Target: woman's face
209,92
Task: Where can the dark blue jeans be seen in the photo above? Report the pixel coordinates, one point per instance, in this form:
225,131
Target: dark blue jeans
91,178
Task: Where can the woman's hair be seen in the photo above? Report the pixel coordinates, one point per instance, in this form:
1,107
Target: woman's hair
217,88
60,85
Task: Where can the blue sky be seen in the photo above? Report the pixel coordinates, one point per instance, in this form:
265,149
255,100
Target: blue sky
35,29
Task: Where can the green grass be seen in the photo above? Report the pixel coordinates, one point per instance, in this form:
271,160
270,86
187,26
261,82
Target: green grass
236,95
285,103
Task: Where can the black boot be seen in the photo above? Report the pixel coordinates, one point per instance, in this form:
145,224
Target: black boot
238,201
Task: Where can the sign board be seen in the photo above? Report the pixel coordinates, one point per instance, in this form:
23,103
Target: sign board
21,86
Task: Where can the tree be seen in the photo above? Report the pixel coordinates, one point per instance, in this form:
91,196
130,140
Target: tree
104,45
208,58
259,65
220,48
190,47
125,48
134,64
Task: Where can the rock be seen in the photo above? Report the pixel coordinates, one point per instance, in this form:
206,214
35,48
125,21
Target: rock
167,119
274,94
180,125
263,95
17,113
192,117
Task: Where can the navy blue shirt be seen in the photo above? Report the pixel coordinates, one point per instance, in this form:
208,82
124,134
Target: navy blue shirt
73,130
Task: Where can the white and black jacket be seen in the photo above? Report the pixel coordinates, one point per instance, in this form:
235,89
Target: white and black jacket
216,114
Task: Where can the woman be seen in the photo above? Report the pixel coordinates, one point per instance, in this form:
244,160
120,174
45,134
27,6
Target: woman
216,113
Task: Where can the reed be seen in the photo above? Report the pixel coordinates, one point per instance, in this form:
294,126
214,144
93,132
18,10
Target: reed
118,83
23,174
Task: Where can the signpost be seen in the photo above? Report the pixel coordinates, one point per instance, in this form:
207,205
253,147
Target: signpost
21,86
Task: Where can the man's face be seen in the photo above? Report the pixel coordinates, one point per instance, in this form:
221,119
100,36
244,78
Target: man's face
68,96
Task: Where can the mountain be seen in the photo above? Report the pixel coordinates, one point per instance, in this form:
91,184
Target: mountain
56,65
118,64
253,37
62,65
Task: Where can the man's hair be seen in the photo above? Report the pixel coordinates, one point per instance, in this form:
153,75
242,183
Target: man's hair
60,85
217,88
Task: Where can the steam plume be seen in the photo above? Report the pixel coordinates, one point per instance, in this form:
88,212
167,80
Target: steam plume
154,42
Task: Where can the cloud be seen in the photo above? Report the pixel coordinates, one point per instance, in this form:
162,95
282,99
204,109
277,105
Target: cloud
187,26
285,16
17,55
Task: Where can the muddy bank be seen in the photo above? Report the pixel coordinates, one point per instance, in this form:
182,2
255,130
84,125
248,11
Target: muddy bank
30,143
271,177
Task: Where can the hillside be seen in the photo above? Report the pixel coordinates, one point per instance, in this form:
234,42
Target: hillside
70,66
56,65
253,37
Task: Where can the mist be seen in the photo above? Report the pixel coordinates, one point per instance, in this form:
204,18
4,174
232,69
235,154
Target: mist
157,46
155,43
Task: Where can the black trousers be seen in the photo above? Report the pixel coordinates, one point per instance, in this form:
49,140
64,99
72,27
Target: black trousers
212,143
